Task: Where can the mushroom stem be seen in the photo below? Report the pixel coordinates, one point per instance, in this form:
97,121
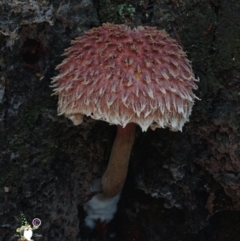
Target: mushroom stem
115,175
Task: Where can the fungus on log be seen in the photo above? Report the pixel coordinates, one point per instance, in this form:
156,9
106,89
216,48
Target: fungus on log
125,77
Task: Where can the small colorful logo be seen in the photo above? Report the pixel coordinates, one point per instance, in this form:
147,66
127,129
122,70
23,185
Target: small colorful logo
26,230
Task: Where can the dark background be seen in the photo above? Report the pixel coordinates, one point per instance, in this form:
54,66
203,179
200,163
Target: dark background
180,186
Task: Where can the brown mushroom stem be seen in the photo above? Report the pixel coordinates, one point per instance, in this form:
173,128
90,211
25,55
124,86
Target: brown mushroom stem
115,175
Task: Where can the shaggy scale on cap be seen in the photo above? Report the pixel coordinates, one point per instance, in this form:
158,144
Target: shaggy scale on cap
122,75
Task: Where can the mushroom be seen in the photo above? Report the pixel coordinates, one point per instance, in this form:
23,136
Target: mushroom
100,209
125,77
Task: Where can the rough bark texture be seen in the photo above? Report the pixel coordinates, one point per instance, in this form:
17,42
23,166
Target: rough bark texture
181,186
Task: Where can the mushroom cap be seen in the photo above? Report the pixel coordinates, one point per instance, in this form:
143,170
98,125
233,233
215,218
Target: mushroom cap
121,75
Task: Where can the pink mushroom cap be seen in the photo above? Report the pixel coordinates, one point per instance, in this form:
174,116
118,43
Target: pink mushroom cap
122,75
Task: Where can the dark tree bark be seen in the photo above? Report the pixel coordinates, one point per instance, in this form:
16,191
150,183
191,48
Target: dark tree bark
180,185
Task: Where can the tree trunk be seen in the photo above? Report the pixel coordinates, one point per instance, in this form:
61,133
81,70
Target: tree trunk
47,165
